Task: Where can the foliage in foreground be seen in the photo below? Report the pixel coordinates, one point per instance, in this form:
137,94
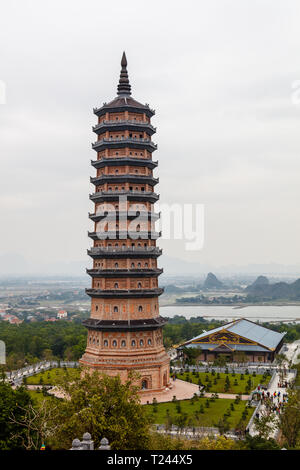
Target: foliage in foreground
104,407
12,402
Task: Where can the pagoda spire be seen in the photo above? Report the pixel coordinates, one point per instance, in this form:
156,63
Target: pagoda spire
124,87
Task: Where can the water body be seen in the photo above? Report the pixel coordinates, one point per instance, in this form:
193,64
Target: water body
263,313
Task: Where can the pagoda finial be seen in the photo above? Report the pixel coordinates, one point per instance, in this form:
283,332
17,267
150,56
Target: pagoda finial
124,87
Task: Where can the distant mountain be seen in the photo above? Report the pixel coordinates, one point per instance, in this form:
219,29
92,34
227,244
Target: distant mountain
212,282
259,284
277,291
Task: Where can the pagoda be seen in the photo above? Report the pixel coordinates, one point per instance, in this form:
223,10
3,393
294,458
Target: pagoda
125,328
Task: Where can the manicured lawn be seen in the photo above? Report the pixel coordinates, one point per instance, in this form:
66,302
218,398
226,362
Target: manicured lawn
38,397
50,377
192,408
237,384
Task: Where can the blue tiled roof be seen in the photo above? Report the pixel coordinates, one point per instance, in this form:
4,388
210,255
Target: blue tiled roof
249,330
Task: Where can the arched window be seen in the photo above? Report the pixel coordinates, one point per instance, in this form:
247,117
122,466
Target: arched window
144,384
105,343
133,343
116,285
140,286
114,343
132,265
139,265
116,309
141,342
123,343
149,342
116,265
140,308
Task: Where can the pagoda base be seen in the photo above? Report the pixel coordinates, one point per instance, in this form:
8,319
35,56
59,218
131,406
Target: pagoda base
154,375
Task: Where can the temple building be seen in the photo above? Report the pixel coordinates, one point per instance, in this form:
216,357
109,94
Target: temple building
238,340
125,328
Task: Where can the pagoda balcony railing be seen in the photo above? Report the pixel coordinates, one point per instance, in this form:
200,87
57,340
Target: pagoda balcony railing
126,177
125,249
124,214
124,234
122,160
122,270
130,158
138,194
122,122
127,292
143,323
125,140
129,249
117,271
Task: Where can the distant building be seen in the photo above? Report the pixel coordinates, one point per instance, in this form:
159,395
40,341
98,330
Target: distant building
12,319
15,321
239,338
62,314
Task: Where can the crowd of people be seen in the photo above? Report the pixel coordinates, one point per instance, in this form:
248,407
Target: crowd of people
273,401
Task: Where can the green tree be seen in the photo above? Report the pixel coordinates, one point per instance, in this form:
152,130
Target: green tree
290,419
265,424
12,402
222,425
103,406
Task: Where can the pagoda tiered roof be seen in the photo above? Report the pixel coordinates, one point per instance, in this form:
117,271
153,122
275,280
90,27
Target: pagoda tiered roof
124,160
142,324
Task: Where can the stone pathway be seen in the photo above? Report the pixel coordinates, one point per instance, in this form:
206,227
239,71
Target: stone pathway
182,390
273,388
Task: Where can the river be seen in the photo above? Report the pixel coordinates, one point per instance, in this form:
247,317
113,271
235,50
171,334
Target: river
263,313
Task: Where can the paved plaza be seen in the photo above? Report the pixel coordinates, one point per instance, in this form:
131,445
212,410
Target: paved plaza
181,389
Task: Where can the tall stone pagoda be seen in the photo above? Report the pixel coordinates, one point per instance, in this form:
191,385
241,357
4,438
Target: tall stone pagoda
125,328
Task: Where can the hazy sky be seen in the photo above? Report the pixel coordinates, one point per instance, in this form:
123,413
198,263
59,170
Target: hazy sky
219,75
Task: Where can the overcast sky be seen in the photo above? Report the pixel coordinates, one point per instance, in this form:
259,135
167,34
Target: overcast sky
219,74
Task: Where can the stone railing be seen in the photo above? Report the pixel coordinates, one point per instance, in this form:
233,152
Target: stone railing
88,444
251,421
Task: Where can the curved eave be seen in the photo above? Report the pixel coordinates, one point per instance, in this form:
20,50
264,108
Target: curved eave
124,293
144,144
124,215
124,272
113,179
98,253
124,235
121,109
123,126
122,161
123,325
140,196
